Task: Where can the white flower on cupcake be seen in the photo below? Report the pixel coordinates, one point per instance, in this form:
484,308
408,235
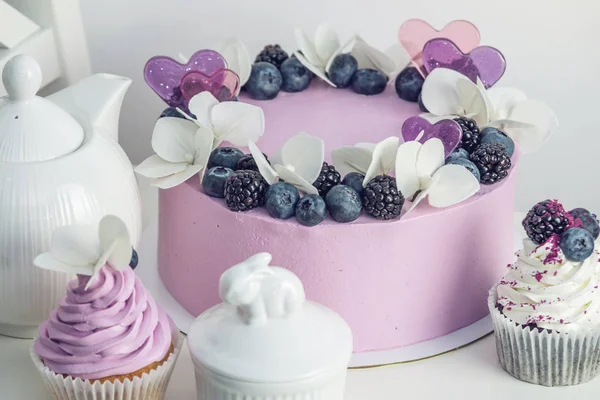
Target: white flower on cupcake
420,171
80,249
183,146
369,159
318,54
298,162
447,93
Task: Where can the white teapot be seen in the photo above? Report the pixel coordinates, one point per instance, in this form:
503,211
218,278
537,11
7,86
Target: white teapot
60,164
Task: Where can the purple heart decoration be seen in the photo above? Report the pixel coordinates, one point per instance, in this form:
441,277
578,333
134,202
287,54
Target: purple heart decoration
164,75
224,84
447,130
484,62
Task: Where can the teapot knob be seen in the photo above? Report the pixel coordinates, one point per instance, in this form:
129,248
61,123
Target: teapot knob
22,77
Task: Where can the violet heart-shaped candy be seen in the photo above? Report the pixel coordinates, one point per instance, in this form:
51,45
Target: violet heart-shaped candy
483,62
164,75
414,33
224,84
447,130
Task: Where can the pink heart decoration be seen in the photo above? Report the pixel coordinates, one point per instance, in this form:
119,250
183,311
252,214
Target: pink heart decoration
447,130
224,84
164,75
414,33
484,62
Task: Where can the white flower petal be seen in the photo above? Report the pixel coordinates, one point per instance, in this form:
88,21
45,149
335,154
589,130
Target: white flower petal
305,153
47,261
384,155
503,100
156,167
173,139
308,49
454,184
531,123
294,179
439,93
371,58
398,55
204,144
327,42
115,242
407,179
473,101
238,122
318,71
102,261
178,178
430,158
351,159
263,165
75,245
422,194
201,106
237,57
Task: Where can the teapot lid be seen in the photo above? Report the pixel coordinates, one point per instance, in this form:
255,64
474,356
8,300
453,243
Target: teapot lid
265,331
31,127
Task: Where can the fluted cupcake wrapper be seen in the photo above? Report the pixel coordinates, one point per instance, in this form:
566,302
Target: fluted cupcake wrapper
544,358
150,386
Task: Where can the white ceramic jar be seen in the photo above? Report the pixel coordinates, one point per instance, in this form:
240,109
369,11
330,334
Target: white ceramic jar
59,165
266,342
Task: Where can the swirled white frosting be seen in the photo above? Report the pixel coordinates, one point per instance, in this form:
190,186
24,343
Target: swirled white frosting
546,289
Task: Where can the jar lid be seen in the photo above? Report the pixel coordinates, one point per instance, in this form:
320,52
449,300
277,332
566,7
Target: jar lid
31,127
265,330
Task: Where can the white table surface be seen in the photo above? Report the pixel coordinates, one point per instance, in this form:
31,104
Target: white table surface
471,372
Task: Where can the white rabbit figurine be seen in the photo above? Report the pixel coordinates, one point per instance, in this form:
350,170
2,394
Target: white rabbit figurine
260,291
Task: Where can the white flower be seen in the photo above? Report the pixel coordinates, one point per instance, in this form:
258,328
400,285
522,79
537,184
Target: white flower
298,162
447,93
420,169
367,158
318,54
79,249
183,146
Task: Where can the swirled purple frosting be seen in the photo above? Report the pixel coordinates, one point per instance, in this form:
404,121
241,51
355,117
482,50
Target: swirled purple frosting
113,328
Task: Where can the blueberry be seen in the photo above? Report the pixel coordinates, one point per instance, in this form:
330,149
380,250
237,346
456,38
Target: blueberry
342,69
355,181
421,104
577,244
310,210
343,203
587,220
134,259
227,157
457,153
214,181
294,75
264,82
468,164
368,82
281,200
493,135
409,83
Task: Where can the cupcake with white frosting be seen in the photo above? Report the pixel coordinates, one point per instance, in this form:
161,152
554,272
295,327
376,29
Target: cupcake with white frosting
546,309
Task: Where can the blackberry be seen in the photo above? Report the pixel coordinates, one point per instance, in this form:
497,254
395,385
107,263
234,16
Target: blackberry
328,178
492,162
382,199
545,219
272,53
470,137
245,190
247,163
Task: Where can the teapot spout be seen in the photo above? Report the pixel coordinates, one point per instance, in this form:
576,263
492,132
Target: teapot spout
95,102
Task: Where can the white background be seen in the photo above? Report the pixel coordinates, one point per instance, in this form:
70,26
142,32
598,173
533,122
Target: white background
552,48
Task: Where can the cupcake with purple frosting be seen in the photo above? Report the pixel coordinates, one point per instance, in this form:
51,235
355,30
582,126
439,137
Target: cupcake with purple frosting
108,338
546,309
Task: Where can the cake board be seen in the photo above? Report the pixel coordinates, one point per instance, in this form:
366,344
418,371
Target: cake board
148,273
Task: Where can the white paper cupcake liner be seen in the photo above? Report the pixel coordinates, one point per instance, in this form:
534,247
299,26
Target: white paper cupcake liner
544,358
150,386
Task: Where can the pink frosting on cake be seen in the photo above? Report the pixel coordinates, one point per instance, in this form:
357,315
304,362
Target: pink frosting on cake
113,328
395,282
